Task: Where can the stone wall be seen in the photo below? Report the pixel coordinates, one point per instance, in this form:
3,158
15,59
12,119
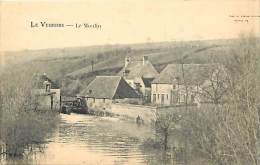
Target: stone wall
147,113
45,100
99,103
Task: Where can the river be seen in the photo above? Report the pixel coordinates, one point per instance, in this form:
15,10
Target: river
83,139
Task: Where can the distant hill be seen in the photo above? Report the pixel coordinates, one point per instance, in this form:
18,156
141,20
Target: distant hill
73,66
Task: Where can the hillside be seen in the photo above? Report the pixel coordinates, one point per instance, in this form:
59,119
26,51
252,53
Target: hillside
72,66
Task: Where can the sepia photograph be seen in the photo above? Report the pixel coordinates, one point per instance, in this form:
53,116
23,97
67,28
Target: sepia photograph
130,82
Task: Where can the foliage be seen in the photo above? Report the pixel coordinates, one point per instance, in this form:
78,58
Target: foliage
223,133
163,124
23,126
229,133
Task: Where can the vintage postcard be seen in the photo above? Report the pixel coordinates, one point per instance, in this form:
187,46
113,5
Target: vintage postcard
129,82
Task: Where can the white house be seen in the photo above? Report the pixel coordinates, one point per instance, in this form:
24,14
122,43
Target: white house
47,91
177,81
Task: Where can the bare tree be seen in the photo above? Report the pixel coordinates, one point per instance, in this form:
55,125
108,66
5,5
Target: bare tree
164,122
215,88
229,133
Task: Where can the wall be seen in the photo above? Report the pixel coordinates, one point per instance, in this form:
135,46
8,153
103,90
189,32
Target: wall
140,81
175,95
103,104
158,90
45,100
99,103
146,92
147,113
147,97
56,97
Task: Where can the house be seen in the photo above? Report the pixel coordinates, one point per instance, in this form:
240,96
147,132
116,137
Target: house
104,90
139,75
47,91
177,81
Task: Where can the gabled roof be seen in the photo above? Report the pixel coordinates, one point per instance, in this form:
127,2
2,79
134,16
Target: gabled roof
109,87
193,74
40,79
139,69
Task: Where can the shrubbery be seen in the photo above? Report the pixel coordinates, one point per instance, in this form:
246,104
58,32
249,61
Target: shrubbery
225,133
23,127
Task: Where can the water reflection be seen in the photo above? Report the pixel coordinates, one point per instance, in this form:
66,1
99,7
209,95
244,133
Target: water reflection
82,139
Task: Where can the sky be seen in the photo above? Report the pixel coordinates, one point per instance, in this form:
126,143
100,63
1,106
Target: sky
123,21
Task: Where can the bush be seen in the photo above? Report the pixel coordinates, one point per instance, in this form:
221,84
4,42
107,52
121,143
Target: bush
229,133
23,127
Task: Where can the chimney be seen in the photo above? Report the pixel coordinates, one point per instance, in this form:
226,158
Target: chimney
127,61
145,59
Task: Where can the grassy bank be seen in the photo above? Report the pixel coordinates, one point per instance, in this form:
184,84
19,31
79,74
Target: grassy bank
23,127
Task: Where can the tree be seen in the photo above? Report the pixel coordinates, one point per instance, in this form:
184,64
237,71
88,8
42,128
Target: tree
164,122
215,87
19,109
229,133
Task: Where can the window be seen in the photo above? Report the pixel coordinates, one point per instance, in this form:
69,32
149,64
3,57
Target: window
158,96
179,98
167,97
162,98
192,98
47,89
93,100
183,98
154,98
126,72
104,100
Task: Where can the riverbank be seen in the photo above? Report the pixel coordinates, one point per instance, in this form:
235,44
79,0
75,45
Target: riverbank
24,126
132,111
85,139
